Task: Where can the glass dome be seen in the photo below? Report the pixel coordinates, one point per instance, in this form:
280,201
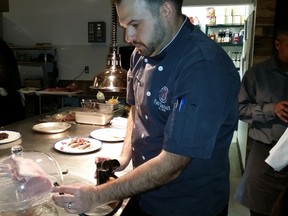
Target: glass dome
26,179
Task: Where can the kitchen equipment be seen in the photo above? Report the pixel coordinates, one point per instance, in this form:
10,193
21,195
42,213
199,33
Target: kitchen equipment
101,107
92,116
26,181
105,171
114,77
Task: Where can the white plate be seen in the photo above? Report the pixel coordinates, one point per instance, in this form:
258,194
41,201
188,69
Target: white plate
109,134
62,146
12,136
51,127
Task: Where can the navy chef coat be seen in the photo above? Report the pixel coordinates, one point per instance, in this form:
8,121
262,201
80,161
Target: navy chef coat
186,103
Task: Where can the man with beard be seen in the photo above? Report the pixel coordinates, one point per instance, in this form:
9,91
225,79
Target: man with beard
182,88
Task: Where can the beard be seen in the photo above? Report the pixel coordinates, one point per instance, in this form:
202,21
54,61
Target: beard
156,40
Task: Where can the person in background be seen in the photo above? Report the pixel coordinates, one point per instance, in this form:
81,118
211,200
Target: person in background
263,104
183,89
11,108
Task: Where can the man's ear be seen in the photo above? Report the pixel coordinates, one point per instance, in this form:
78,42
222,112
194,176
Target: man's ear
167,11
277,44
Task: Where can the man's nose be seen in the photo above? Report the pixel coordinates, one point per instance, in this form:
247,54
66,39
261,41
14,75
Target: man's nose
130,35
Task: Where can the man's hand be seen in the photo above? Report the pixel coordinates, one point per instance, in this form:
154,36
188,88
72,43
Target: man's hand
281,110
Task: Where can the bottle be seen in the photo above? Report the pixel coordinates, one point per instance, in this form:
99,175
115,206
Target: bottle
239,59
230,37
213,36
241,36
236,62
236,38
223,36
226,38
219,39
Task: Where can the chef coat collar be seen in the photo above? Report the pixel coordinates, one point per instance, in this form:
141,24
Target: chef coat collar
165,49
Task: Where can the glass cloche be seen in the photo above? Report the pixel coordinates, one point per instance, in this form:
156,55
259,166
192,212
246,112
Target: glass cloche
26,179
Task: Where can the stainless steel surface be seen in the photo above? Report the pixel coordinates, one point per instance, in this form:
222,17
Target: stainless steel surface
80,165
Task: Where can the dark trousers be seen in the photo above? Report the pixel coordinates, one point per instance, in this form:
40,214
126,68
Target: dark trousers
280,207
252,213
132,209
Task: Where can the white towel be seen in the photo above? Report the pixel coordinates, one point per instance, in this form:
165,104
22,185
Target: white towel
278,155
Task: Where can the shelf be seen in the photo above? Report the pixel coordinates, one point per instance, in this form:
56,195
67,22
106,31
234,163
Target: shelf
35,48
230,44
216,31
44,56
225,26
35,64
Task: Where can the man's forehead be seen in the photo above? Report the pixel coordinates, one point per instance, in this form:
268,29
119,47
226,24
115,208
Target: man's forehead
131,12
282,36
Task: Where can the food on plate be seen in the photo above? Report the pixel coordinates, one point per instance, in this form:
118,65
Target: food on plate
113,101
77,143
68,116
56,89
3,136
63,117
70,88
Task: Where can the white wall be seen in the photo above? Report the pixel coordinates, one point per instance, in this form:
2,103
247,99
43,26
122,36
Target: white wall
63,23
216,2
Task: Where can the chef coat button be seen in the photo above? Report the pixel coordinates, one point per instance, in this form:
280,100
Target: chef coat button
146,117
143,157
148,93
143,135
160,68
145,60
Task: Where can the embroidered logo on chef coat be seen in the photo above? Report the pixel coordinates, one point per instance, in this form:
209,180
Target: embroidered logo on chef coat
163,94
162,99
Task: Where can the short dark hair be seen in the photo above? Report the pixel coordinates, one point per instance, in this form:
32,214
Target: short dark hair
281,30
152,3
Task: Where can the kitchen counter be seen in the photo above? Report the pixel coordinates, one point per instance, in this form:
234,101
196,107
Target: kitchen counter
81,165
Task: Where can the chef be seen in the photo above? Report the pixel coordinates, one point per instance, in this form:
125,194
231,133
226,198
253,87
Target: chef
182,88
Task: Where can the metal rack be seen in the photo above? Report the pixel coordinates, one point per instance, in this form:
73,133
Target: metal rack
39,56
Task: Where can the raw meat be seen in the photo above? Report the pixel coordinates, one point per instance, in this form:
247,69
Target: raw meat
33,180
29,178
